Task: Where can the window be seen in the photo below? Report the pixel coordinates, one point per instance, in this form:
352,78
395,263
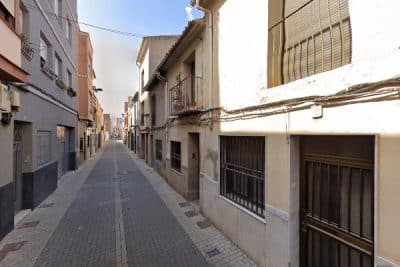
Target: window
58,66
242,165
24,21
7,13
81,144
176,155
69,78
159,150
306,38
141,81
153,110
68,29
43,153
45,49
58,8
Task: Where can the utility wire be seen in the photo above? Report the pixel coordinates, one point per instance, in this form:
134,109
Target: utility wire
129,34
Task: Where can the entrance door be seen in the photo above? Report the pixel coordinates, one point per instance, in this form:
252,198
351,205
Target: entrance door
17,169
63,150
194,166
337,207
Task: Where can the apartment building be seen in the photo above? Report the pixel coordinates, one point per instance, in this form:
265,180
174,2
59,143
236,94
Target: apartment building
294,134
10,71
87,101
107,127
45,125
176,99
300,164
150,54
99,125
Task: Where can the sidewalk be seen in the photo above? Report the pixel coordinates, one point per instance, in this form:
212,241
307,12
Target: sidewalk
216,248
116,211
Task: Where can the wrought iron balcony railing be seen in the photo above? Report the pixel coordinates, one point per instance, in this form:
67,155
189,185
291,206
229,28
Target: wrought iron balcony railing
185,98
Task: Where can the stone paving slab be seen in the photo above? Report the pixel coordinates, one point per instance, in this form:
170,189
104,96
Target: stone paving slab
115,211
48,216
207,239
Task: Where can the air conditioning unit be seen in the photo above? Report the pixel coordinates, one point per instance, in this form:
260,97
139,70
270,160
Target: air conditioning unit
15,100
4,98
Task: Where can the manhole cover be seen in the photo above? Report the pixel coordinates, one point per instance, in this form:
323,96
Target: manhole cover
213,252
204,224
191,213
28,225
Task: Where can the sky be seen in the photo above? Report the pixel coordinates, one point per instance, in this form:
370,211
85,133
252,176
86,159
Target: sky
115,54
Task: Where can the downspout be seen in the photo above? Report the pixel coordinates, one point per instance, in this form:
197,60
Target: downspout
210,53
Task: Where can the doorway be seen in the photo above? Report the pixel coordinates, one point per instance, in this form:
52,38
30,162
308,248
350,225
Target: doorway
17,168
194,166
337,201
63,150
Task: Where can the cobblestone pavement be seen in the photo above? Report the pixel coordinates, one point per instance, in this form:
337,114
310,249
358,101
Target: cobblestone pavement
115,211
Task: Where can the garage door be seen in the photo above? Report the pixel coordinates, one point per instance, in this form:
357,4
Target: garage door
337,207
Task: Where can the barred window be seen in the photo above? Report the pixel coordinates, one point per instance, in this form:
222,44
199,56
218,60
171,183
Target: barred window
242,165
159,150
176,155
306,38
43,141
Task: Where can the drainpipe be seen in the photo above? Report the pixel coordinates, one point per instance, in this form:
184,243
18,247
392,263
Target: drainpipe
210,53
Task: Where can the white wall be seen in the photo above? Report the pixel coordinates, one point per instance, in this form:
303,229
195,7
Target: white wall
242,52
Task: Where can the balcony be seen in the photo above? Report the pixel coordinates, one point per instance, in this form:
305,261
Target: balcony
27,50
185,97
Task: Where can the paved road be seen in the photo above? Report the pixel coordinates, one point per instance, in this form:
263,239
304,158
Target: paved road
117,219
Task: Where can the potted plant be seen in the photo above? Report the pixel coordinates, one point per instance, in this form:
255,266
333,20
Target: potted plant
71,92
191,104
60,83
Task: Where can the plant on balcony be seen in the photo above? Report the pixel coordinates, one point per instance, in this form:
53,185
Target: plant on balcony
60,83
26,48
71,92
191,105
46,69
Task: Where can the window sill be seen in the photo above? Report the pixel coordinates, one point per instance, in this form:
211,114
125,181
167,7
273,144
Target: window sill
258,218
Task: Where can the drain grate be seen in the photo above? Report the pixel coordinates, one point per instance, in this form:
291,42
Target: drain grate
28,225
184,204
204,224
46,205
191,213
10,248
213,252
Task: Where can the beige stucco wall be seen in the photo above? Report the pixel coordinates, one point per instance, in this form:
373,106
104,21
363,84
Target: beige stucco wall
388,188
278,172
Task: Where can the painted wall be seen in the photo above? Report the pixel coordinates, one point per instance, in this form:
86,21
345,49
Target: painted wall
41,22
242,75
10,46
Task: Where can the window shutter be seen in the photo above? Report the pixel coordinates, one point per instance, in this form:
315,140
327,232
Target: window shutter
318,37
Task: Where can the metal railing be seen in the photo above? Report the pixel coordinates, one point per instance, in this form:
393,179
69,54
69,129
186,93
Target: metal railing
185,96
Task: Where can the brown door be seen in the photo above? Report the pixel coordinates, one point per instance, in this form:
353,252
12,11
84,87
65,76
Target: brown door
337,204
194,166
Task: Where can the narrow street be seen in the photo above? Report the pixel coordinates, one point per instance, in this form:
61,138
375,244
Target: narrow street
114,211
